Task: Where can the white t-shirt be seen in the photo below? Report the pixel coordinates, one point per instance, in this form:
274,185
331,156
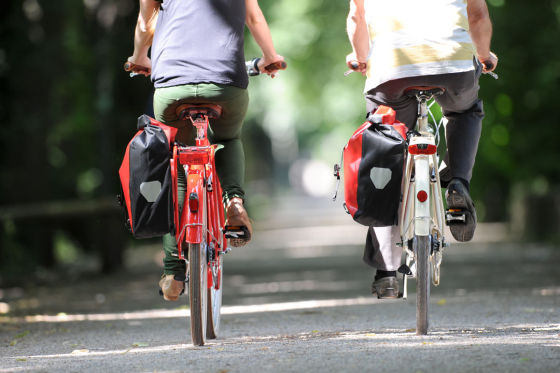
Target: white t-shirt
415,38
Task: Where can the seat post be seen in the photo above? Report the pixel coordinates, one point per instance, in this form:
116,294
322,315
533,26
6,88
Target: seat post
422,113
200,121
200,115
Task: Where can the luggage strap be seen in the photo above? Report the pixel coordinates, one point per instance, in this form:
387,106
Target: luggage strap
337,168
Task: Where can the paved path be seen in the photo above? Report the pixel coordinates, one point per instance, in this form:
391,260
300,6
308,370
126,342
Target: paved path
297,300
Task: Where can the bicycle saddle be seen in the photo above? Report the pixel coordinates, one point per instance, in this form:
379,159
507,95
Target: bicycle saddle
425,90
185,111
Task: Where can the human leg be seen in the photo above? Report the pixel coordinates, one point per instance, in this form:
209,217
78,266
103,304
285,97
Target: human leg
226,131
381,252
174,269
392,94
230,160
464,112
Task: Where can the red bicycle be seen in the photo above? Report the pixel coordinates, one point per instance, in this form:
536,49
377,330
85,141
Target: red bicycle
202,234
202,222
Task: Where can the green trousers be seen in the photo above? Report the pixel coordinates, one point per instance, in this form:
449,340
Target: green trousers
230,161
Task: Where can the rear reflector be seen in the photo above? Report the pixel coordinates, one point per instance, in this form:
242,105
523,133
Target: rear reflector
193,202
422,196
422,149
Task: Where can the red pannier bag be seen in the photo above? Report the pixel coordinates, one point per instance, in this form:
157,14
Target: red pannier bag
145,176
374,160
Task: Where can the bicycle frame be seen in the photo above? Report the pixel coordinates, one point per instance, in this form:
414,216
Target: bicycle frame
422,211
203,193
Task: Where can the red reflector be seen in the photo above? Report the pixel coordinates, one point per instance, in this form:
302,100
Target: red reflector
422,196
193,202
422,149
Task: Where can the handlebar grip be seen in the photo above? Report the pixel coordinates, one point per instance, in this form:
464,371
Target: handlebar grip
488,65
276,66
129,66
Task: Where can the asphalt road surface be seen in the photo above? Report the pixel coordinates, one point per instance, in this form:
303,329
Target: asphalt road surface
297,299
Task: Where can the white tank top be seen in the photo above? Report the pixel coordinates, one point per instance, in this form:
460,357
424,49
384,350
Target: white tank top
416,37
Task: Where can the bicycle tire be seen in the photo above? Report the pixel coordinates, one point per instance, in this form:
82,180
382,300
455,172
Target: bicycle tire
422,251
198,292
215,303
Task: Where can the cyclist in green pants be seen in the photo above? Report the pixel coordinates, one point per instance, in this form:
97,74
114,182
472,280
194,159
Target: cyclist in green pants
197,57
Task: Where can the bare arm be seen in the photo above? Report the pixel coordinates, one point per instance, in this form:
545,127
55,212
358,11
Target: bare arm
258,26
356,28
480,28
144,32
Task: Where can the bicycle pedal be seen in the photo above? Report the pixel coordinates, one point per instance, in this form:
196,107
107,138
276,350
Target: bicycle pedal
405,270
455,216
237,232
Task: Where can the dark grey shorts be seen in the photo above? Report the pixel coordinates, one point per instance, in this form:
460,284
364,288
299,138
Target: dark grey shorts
460,105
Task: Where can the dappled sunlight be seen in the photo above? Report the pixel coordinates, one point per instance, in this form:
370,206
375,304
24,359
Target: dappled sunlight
88,353
518,334
167,313
512,335
547,292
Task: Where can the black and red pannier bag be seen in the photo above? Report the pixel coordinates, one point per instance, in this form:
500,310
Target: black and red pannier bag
374,161
145,175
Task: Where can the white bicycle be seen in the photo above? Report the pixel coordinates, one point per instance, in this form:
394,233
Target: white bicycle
422,216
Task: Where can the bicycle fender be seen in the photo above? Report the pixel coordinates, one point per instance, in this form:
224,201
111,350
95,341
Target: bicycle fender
195,219
422,216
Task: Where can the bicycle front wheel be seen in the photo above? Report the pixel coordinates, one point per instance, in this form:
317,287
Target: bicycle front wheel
198,291
215,298
422,251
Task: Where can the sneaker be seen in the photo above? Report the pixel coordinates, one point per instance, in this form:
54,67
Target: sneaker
171,287
386,287
238,223
459,202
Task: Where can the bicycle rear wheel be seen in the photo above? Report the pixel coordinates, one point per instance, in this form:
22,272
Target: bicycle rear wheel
198,291
215,299
422,251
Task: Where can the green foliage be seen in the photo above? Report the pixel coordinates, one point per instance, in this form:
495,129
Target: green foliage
520,135
67,109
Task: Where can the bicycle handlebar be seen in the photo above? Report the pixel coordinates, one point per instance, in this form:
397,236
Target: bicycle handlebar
136,69
253,68
354,66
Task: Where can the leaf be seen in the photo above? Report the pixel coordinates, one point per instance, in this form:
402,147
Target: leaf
441,302
21,359
21,335
17,337
140,344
